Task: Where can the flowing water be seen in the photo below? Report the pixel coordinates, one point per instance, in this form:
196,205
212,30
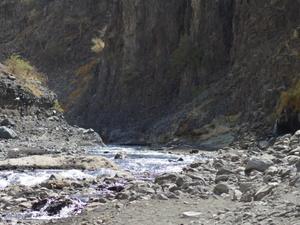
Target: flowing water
142,162
145,163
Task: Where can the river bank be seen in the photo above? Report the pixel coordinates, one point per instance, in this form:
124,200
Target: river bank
253,186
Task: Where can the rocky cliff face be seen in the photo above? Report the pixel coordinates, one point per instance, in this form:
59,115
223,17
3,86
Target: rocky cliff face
177,71
56,36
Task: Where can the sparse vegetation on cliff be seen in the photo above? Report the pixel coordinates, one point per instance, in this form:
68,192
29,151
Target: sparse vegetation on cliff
83,75
26,73
57,106
290,99
86,69
97,45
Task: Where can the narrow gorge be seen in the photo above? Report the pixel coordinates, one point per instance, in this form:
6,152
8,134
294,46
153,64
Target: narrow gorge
183,71
149,100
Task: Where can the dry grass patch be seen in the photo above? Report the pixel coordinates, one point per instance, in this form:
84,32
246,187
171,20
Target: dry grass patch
26,73
87,69
57,106
97,45
83,76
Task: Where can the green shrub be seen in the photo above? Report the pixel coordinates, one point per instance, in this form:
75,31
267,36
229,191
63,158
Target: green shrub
18,65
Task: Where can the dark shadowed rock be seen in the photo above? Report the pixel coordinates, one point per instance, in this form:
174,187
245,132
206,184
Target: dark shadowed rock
7,133
298,166
117,188
259,164
120,155
37,206
221,188
8,122
55,207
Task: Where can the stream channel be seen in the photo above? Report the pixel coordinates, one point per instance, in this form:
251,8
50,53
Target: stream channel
142,162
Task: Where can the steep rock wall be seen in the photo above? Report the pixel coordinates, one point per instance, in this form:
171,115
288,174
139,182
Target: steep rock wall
182,71
192,70
56,36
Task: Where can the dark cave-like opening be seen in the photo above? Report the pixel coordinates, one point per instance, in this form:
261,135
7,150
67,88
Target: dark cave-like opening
288,122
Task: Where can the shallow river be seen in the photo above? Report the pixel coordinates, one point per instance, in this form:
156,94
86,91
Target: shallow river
143,163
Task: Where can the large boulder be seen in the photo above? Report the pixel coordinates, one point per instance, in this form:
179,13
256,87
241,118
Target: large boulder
260,164
7,133
58,162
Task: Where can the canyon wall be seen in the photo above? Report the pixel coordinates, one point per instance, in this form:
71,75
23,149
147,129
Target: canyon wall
172,71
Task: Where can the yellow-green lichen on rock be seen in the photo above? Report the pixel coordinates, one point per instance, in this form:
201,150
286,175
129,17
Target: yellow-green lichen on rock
289,99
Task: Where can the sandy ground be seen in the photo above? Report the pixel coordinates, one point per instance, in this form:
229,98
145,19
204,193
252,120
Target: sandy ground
212,211
158,212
